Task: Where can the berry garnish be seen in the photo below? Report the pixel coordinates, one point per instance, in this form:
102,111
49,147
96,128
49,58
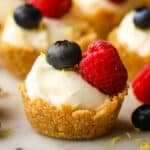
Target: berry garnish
63,54
52,8
27,16
102,67
141,85
117,1
142,18
141,117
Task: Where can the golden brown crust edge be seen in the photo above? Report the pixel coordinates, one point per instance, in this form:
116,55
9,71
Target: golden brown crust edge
0,28
133,62
105,19
66,123
17,60
99,20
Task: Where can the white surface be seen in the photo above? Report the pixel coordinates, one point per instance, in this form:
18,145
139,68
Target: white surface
23,136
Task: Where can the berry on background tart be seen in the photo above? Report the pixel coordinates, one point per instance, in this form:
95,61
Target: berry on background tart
23,37
70,96
27,32
104,15
131,38
141,85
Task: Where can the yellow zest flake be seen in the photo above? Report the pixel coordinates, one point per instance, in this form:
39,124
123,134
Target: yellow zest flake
145,146
116,139
68,21
69,31
10,13
128,135
41,26
42,54
137,130
5,133
64,72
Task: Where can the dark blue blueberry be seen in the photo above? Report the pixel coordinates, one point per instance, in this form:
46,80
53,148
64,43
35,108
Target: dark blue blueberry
63,54
142,18
27,16
141,117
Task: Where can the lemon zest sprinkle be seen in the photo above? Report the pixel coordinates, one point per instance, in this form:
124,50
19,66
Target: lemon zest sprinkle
116,140
137,130
128,135
145,146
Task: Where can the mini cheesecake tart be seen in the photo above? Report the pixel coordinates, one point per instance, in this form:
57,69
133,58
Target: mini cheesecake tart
20,38
104,15
132,43
61,103
21,44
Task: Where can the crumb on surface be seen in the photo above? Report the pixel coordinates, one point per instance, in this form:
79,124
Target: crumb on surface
137,130
116,140
145,146
128,134
3,93
5,133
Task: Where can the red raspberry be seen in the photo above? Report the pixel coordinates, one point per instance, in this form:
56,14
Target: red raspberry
117,1
141,85
52,8
102,67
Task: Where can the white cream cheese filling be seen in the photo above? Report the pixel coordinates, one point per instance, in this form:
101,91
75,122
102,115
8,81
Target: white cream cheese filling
15,35
136,39
58,87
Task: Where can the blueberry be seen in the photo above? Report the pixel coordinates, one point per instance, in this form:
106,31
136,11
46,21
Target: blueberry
141,117
63,54
142,18
27,16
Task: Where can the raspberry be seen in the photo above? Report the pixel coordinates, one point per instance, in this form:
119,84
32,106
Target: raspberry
117,1
102,67
52,8
141,85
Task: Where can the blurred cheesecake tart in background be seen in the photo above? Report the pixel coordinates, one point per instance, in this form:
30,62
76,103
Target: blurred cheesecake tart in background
104,15
131,38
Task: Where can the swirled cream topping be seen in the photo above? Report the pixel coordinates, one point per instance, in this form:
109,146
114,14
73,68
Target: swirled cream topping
51,31
17,36
62,87
136,39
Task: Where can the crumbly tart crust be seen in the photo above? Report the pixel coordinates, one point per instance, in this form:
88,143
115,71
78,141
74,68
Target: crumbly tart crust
66,123
147,3
105,19
17,60
132,60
